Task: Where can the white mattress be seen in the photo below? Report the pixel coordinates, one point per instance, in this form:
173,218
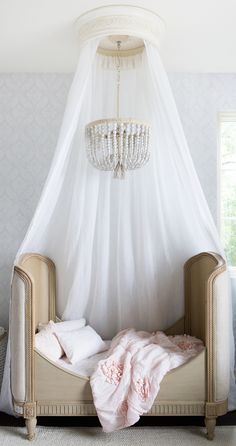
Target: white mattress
85,367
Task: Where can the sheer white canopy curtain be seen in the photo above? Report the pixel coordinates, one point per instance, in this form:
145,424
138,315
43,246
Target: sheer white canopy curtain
120,245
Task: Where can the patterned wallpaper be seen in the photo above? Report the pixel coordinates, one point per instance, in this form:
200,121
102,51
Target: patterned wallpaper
31,108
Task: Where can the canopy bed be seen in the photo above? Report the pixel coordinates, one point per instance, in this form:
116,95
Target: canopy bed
120,214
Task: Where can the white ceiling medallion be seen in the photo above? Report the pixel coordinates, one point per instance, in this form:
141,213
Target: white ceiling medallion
133,21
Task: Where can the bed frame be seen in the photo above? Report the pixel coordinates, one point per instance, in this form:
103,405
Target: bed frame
199,387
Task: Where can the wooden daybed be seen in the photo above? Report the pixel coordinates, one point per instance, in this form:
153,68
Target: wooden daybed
199,387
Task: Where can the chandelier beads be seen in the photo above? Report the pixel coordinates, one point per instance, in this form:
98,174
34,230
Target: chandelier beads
118,144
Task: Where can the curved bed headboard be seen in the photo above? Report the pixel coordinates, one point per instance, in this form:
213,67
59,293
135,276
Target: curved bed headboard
33,291
207,316
200,275
42,274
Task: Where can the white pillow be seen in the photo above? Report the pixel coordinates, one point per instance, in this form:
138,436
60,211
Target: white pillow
81,344
47,343
60,327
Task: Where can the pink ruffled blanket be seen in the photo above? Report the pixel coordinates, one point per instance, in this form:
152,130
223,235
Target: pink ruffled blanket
126,383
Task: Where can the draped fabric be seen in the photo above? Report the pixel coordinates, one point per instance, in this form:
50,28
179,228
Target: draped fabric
120,245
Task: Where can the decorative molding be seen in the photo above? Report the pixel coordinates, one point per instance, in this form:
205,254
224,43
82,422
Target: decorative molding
29,410
56,408
166,408
216,409
210,304
29,327
120,19
125,53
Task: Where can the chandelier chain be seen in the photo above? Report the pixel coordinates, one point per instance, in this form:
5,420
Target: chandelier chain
118,67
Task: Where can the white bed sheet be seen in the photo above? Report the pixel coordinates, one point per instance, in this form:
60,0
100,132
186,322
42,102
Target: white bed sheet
86,366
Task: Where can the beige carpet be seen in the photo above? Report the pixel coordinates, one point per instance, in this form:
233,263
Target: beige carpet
140,436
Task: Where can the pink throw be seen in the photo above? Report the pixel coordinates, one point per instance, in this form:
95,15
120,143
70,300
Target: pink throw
126,383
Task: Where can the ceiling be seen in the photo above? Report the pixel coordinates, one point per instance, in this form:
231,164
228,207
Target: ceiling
40,35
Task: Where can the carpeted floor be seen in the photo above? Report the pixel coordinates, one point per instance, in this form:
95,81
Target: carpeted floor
137,436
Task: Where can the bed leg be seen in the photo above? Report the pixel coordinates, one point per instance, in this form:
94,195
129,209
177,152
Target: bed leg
210,425
30,426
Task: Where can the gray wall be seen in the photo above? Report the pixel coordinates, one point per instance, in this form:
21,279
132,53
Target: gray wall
31,108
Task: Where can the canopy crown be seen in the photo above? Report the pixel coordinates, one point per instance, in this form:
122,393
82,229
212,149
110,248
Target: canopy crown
137,23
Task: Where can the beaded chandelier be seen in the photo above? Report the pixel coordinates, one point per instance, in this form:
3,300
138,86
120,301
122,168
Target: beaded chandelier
118,144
